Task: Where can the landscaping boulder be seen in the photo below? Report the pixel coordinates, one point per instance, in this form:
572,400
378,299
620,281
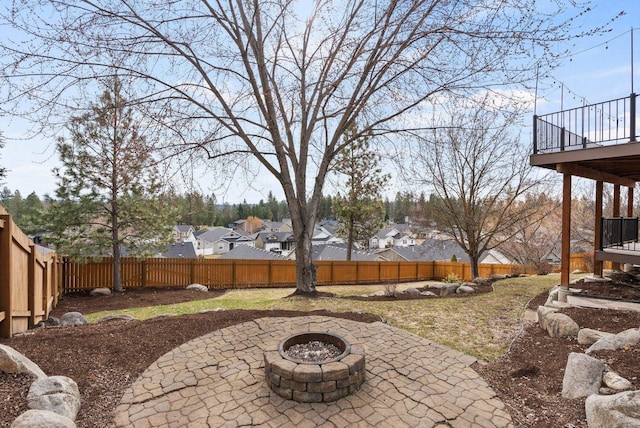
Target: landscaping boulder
482,281
12,361
498,276
197,287
448,289
438,285
102,291
42,419
582,376
57,394
428,293
465,289
616,382
588,336
561,325
412,291
608,411
116,317
629,337
72,319
543,313
378,293
49,322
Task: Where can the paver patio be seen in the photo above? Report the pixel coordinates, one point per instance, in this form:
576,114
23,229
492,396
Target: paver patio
218,380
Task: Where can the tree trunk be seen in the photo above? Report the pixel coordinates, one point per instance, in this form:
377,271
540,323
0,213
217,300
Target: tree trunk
305,269
473,261
117,277
350,239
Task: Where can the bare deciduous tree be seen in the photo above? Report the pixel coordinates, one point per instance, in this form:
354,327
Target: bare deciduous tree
478,171
278,82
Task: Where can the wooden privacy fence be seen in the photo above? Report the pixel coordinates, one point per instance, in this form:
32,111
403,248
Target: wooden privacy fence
30,282
219,274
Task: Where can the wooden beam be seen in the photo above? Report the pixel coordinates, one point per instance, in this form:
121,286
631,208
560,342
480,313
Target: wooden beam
566,230
597,264
582,171
616,213
630,202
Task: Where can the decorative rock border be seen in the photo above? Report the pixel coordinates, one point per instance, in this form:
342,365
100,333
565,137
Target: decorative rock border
311,382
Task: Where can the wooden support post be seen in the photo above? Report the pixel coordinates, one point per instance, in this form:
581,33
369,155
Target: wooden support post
566,233
597,241
630,202
616,213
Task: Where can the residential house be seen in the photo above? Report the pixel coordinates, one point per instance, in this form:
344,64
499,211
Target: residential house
339,253
394,236
220,240
277,226
442,250
184,250
278,242
183,232
578,142
323,235
245,252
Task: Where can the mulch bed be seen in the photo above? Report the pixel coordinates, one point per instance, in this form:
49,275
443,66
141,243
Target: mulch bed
104,359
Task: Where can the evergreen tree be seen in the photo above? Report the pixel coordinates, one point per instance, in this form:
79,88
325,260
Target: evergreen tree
108,194
360,209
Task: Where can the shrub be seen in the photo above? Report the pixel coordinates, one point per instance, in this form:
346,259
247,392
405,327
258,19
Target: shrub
452,278
390,289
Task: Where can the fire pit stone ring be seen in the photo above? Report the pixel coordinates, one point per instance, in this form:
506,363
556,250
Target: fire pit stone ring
315,381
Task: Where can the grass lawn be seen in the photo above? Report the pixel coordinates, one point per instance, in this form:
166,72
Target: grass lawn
481,325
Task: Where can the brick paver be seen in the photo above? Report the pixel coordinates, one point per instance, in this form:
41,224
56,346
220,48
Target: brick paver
218,380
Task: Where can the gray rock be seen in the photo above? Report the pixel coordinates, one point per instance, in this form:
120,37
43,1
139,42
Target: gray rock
197,287
12,361
449,289
498,276
428,293
465,289
470,284
561,325
606,391
588,336
621,410
378,293
582,376
102,291
593,278
616,341
553,296
72,319
482,281
412,291
42,419
116,317
543,313
632,335
58,394
438,285
616,382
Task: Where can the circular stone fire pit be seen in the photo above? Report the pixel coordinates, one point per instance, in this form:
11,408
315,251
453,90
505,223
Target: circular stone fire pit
315,381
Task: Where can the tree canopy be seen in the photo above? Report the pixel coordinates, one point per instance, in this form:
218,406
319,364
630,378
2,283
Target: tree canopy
276,84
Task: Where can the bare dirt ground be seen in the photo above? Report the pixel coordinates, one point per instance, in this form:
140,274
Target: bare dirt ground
105,358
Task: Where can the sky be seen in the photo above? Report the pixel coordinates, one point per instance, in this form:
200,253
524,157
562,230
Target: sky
599,68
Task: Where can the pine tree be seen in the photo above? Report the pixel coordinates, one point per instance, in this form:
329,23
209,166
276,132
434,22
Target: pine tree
359,208
108,194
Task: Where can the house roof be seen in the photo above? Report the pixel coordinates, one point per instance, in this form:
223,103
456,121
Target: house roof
339,252
213,234
180,250
247,252
183,228
275,236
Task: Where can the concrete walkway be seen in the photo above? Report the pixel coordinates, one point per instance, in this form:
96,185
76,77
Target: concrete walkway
218,380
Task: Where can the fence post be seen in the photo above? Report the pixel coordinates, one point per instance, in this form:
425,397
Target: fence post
31,284
143,273
6,324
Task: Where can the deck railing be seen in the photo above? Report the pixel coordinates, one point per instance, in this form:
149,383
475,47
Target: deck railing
606,123
619,232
